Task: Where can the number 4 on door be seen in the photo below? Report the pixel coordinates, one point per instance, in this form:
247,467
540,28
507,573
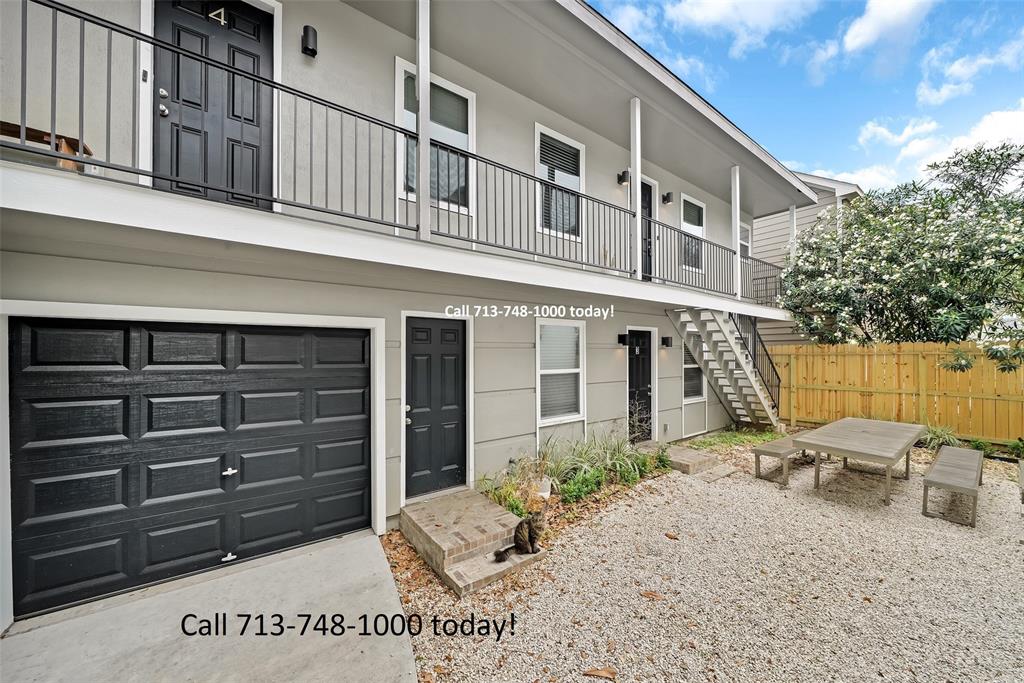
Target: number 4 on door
219,16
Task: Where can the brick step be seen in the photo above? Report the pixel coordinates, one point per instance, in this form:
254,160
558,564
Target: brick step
481,570
456,527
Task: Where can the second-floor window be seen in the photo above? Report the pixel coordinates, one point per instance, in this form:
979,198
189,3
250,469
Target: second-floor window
744,239
451,124
693,223
560,162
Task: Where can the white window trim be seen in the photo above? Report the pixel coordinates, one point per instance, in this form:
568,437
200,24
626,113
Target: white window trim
539,128
691,229
581,371
402,66
704,378
750,237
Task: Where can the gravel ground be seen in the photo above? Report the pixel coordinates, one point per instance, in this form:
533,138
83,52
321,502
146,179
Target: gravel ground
758,585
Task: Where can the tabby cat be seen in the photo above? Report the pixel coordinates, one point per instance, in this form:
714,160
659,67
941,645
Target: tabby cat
526,536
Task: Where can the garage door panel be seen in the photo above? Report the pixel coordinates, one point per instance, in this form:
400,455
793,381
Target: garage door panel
141,451
69,346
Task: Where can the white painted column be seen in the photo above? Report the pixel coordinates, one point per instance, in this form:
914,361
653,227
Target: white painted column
735,206
792,232
634,184
423,117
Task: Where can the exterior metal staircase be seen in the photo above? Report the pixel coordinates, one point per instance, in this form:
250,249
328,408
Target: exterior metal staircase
735,362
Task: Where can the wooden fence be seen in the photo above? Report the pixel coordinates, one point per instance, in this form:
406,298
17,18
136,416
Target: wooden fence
901,382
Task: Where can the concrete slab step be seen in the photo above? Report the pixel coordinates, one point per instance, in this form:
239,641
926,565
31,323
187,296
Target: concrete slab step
717,472
481,570
689,460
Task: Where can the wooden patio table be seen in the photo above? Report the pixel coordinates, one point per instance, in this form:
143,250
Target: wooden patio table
854,438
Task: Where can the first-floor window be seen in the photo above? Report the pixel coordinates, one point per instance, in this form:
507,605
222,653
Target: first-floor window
560,369
693,377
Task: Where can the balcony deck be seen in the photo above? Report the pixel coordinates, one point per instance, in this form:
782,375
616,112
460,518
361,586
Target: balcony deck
336,164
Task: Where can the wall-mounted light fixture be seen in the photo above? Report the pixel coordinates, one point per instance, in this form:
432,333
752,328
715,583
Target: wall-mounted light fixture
623,177
624,339
666,342
309,41
667,198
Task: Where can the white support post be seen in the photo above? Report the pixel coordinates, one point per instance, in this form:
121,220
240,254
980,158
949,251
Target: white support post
634,184
738,271
423,117
792,232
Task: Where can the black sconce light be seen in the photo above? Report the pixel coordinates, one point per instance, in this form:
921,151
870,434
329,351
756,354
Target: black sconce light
666,342
624,340
623,177
309,41
667,198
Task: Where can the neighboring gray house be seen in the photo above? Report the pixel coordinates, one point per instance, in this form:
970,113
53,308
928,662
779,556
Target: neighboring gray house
773,236
231,327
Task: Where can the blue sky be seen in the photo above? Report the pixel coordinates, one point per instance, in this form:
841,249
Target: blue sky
862,91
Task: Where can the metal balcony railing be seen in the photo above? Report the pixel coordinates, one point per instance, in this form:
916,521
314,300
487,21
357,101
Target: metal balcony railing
85,98
675,256
763,363
760,281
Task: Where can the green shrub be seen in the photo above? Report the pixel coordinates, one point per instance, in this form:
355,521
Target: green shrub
582,484
938,437
1017,448
661,460
983,446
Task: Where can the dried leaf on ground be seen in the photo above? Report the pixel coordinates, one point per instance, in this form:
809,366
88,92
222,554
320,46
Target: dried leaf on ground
672,536
652,595
605,672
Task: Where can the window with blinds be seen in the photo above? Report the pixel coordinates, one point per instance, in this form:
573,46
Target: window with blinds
693,377
693,224
449,124
560,351
560,163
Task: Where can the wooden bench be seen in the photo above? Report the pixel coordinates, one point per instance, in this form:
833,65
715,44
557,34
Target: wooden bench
958,470
780,448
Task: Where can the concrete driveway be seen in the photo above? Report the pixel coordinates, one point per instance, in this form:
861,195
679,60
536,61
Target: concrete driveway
139,636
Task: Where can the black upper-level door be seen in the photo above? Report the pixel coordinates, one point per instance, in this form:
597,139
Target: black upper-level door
647,238
435,411
212,128
640,404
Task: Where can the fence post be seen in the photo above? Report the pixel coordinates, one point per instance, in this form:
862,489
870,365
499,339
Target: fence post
922,389
792,389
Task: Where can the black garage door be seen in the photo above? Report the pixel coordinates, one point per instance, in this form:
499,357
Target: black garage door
142,451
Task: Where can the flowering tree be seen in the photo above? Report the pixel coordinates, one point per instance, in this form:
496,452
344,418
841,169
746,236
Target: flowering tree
934,261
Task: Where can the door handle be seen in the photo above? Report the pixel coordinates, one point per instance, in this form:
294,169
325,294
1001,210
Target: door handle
164,111
163,94
408,420
228,472
408,408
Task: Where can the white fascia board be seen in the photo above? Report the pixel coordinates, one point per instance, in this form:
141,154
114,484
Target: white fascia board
59,193
840,187
604,28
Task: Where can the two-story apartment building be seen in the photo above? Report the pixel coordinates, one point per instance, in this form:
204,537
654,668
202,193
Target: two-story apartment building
232,328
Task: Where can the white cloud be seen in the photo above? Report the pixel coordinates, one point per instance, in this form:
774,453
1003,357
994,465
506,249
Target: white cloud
639,24
693,68
885,21
817,65
873,130
991,129
957,76
748,21
877,177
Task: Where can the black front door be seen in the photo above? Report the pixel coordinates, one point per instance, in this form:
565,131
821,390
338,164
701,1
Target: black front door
435,411
640,385
141,451
212,128
647,246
